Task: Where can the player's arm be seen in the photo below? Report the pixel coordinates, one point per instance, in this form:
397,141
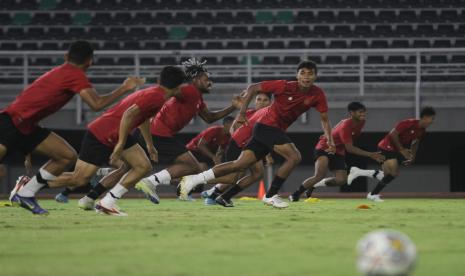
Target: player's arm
251,92
394,135
350,148
145,131
125,126
98,102
326,126
414,149
219,155
203,148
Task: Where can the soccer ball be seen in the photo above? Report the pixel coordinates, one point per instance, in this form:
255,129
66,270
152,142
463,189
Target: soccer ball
385,252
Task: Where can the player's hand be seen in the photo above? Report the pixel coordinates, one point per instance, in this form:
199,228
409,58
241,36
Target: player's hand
117,152
331,148
378,157
269,160
237,102
242,119
407,154
217,159
408,162
28,164
153,154
132,82
243,93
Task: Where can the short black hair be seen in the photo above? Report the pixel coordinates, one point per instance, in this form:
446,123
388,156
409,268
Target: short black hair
354,106
308,64
194,68
228,119
80,51
172,76
427,111
268,95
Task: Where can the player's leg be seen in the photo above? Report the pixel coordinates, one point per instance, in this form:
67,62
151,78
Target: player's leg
337,165
391,170
292,158
357,172
321,167
3,151
256,173
140,166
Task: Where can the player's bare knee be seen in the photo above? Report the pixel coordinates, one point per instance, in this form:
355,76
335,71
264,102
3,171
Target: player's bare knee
340,180
295,159
144,168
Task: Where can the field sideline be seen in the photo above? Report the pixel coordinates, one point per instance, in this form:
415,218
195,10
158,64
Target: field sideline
181,238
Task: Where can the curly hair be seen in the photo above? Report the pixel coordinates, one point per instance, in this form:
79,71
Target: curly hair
194,67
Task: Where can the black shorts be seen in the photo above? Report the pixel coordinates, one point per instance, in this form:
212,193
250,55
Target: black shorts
233,151
393,155
203,159
168,148
264,138
336,162
94,152
12,138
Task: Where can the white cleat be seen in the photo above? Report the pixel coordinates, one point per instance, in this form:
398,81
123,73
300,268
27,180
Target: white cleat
149,190
20,182
375,198
111,210
354,173
86,203
275,201
104,171
186,187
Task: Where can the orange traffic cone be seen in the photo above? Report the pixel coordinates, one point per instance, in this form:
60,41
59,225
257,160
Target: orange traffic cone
261,190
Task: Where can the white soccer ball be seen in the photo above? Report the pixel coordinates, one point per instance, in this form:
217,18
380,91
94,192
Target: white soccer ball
385,252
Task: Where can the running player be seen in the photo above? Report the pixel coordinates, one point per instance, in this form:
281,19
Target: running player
292,98
343,135
19,122
399,146
108,138
174,116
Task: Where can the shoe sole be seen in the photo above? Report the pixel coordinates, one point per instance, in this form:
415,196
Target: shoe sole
104,211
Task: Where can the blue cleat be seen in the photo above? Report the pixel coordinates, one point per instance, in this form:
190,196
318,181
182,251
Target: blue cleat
29,203
61,198
188,198
204,194
210,201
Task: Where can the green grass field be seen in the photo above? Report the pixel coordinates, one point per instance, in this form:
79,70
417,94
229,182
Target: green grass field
188,238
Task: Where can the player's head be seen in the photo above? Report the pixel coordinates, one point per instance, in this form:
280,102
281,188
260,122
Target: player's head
306,74
262,100
227,122
427,115
171,78
357,111
80,53
198,74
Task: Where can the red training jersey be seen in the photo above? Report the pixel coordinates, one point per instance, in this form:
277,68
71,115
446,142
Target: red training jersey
289,103
343,133
106,127
214,136
177,112
45,96
409,131
243,134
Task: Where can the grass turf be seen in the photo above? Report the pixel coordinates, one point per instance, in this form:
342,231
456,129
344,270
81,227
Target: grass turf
188,238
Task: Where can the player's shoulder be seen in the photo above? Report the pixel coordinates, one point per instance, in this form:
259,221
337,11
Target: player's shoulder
250,112
409,121
317,90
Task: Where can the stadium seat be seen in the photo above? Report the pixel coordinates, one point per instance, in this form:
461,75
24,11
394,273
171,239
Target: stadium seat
321,31
404,31
442,43
213,45
448,16
9,46
222,32
131,45
397,43
421,44
428,16
346,17
198,33
226,60
406,16
379,44
383,31
143,18
123,19
260,32
333,60
185,18
42,19
291,60
284,17
37,33
305,17
458,59
47,4
245,18
163,18
117,33
375,60
236,32
225,18
237,45
28,46
205,18
396,59
62,19
386,16
110,45
337,44
15,34
438,59
342,31
125,61
96,33
276,45
147,61
157,33
280,31
177,32
22,18
82,18
352,60
316,44
172,46
137,33
49,46
326,17
362,31
255,45
152,45
459,43
447,30
271,60
297,44
193,46
76,33
425,30
104,61
301,31
264,17
366,17
358,44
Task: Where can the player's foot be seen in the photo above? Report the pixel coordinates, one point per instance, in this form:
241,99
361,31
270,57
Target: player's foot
209,201
224,202
186,185
104,171
149,190
20,182
61,198
204,194
354,173
293,198
86,203
375,198
111,210
189,198
275,201
30,204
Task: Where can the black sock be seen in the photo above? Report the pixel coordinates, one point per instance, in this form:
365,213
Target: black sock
234,190
216,193
197,189
309,192
378,188
41,180
66,192
297,193
275,186
83,189
97,191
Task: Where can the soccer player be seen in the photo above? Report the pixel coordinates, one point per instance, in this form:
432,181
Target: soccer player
399,146
344,134
209,145
19,122
108,138
241,135
291,99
